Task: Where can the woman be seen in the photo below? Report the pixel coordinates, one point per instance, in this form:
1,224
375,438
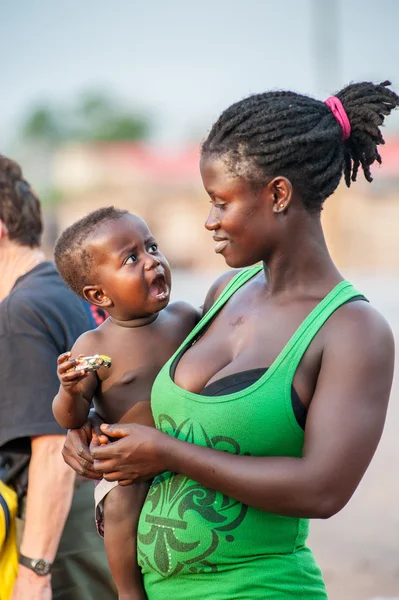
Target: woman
272,409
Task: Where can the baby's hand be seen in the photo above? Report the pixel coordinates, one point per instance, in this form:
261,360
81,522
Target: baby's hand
98,438
71,380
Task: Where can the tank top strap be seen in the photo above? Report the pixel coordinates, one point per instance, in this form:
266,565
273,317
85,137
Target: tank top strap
234,284
294,350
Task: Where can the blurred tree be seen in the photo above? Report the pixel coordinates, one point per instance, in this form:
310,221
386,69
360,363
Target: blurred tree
42,124
101,118
95,117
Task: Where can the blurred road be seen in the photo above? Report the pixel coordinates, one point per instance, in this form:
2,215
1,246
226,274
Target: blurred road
358,549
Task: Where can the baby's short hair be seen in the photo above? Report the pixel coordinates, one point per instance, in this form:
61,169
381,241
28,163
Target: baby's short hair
72,254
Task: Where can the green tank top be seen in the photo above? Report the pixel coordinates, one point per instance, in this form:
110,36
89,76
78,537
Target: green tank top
196,543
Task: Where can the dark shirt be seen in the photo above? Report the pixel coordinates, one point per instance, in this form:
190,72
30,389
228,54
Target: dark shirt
40,319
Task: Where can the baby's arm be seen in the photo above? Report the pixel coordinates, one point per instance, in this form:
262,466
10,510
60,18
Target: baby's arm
72,403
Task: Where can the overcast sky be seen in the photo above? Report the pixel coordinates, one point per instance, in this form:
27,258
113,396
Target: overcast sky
183,60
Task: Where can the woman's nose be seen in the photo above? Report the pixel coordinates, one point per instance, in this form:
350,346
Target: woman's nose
212,223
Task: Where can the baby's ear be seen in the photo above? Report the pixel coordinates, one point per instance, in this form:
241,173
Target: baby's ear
96,295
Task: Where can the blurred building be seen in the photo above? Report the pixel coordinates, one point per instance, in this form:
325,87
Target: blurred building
361,224
165,188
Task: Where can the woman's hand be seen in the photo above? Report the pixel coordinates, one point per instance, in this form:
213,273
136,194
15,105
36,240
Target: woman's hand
76,451
138,455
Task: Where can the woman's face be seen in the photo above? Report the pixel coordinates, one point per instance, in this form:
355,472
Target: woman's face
240,218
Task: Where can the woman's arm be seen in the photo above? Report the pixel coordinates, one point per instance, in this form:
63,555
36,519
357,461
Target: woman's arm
344,425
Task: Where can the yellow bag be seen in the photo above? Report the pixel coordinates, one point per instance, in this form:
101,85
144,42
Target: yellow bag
8,540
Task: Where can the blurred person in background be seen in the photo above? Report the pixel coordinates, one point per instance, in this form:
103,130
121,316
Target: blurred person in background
270,412
61,555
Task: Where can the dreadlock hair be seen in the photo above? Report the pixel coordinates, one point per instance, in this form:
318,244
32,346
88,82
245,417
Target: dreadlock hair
73,255
20,208
284,133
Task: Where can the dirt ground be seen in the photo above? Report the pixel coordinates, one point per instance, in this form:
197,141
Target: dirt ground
358,549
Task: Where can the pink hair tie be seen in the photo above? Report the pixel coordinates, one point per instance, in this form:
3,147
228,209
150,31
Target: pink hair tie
339,113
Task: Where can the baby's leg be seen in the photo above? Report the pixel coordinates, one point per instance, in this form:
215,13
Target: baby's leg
122,507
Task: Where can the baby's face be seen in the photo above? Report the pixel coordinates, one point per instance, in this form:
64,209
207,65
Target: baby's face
131,270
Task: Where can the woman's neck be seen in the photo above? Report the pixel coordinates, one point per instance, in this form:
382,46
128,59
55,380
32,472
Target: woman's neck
15,261
303,261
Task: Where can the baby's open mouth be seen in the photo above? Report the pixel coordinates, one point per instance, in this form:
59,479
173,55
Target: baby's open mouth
158,288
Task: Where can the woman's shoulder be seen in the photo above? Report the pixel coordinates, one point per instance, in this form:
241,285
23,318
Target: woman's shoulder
360,326
362,314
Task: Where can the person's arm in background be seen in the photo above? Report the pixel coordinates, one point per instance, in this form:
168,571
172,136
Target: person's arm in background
49,497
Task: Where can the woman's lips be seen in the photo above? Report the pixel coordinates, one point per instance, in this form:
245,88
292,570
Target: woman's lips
220,246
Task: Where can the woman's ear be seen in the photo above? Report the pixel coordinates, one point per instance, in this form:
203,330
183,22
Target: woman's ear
281,191
95,295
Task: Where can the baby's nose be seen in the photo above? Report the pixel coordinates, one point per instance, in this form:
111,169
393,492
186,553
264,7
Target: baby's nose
151,262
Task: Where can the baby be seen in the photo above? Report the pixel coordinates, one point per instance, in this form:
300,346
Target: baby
111,259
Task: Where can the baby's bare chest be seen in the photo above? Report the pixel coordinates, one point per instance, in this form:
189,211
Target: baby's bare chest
137,357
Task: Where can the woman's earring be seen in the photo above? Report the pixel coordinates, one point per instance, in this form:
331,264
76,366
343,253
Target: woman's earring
279,207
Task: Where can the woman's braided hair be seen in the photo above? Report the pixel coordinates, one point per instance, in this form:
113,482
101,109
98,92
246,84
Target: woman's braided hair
284,133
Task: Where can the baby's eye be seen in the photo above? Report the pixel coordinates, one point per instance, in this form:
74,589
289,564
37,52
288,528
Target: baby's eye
153,248
131,259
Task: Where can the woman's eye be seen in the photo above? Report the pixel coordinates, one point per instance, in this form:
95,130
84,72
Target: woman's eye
218,205
132,259
153,248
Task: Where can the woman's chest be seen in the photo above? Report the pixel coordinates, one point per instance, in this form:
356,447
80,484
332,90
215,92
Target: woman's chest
247,335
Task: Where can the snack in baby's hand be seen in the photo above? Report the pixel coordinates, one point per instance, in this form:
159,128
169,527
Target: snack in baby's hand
92,363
